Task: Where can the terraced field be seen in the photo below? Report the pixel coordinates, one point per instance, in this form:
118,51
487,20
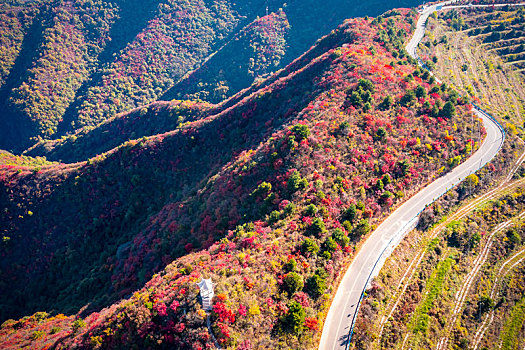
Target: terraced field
480,52
459,283
502,32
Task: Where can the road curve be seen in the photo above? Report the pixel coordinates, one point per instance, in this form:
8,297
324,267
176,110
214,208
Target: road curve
370,258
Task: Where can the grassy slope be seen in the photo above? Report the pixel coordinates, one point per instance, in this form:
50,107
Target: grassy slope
400,330
485,76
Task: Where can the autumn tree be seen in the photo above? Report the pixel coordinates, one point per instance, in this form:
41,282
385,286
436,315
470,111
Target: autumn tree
316,284
309,246
362,228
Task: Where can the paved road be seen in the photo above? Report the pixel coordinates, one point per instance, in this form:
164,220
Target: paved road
383,240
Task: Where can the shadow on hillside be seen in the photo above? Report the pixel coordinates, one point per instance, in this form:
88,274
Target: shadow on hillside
128,25
224,57
309,21
17,128
67,254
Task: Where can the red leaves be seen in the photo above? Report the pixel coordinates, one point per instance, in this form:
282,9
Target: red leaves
311,323
242,310
224,314
179,327
248,242
188,247
161,309
302,298
174,305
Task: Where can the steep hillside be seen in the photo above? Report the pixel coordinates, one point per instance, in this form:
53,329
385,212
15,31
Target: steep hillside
457,280
268,195
75,63
152,119
256,51
9,159
107,57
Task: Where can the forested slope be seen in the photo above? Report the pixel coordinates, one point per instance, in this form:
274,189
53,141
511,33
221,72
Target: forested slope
268,195
75,63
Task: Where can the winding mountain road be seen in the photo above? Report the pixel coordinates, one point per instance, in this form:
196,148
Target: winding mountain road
339,323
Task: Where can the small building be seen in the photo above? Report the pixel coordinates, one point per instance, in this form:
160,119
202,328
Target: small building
206,287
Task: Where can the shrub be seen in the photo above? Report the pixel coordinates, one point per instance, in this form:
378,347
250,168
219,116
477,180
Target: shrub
340,237
289,209
420,92
485,304
309,246
362,228
296,183
366,85
293,321
317,228
344,126
186,270
472,180
350,213
293,282
301,131
274,216
263,189
387,103
311,210
408,98
326,255
40,316
311,323
380,134
385,196
366,96
316,284
355,99
475,239
403,167
426,219
347,225
77,325
329,245
290,265
37,335
453,97
448,111
514,237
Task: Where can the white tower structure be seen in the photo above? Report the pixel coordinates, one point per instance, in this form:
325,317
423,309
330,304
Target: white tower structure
206,287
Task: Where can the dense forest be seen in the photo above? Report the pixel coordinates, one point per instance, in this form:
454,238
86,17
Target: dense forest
69,64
